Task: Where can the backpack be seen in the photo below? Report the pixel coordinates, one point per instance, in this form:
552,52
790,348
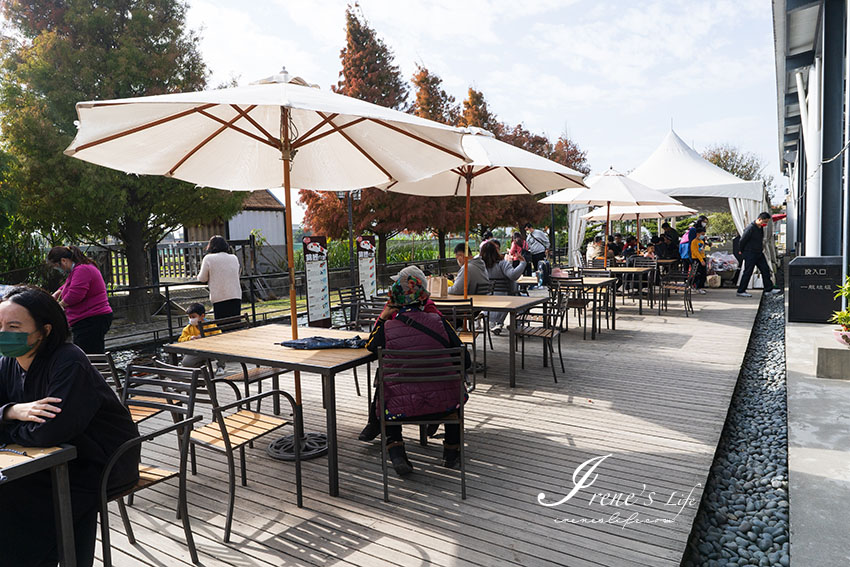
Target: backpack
685,246
546,269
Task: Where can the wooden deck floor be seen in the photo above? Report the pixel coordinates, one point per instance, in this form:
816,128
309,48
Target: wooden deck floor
653,395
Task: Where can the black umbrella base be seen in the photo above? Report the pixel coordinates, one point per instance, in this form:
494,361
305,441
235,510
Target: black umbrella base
312,445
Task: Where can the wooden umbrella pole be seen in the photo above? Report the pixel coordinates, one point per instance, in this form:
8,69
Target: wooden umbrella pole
607,228
466,235
286,154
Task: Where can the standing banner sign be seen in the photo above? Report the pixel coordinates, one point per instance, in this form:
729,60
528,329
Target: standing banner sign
366,262
318,290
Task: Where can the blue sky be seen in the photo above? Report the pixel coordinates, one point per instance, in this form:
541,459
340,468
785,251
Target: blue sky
612,75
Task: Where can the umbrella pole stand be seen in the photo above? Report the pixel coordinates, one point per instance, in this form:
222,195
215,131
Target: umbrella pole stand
466,235
312,444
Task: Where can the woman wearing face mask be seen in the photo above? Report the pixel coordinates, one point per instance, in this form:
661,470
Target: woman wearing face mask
51,394
83,296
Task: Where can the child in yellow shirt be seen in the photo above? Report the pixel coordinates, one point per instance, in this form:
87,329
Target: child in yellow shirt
196,313
698,259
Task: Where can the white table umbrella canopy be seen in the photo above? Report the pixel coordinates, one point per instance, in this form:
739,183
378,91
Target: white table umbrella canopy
496,168
562,197
230,138
615,189
644,212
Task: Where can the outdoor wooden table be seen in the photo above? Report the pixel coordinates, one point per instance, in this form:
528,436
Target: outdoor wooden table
510,304
14,466
632,271
257,346
595,284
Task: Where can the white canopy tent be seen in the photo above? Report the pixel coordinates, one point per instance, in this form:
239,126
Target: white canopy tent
676,169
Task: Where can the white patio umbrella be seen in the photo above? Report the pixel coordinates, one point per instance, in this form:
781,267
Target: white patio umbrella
247,138
563,197
613,188
637,213
496,168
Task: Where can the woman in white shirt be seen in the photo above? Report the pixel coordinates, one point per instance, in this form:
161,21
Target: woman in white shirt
220,270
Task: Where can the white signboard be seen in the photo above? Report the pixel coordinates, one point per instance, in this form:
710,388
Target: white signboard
366,264
318,290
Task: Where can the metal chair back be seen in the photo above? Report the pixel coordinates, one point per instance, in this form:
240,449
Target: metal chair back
417,366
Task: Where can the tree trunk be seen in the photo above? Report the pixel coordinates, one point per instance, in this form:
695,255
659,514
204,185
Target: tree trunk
441,244
139,308
382,248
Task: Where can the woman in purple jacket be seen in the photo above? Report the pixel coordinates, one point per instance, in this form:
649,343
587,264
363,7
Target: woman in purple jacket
408,297
83,296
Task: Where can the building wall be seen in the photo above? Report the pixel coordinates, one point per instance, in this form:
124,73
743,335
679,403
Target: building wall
269,223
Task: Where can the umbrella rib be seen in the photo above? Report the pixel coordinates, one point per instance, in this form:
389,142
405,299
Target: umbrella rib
565,176
418,138
357,146
256,124
484,170
304,136
241,130
207,140
141,127
334,128
508,169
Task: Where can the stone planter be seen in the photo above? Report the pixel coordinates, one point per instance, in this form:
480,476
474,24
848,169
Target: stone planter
842,337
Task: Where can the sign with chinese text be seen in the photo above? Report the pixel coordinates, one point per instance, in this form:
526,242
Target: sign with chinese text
318,290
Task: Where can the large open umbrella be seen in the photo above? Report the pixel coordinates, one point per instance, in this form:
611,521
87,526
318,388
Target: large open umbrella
496,168
613,188
247,138
637,213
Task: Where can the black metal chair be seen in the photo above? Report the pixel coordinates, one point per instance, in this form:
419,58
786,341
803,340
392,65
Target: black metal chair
163,390
230,431
677,282
651,276
552,317
575,296
349,297
105,364
411,366
253,375
367,311
463,316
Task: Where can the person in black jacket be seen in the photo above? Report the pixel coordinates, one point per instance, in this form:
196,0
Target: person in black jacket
50,394
752,251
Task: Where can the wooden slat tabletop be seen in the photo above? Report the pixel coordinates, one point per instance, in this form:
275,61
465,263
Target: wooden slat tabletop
499,302
8,459
258,345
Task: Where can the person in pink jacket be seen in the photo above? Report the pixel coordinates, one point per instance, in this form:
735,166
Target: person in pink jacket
83,296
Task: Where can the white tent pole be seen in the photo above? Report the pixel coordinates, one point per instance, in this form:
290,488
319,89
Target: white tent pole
845,248
813,165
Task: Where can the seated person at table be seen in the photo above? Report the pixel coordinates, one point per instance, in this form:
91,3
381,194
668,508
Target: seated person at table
50,394
615,247
631,247
649,252
500,269
667,249
197,315
477,272
594,249
399,327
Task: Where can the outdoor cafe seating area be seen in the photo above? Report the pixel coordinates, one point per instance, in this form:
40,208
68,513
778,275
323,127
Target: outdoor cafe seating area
524,434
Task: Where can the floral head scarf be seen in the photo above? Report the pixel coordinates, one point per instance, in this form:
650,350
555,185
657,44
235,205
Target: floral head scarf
407,290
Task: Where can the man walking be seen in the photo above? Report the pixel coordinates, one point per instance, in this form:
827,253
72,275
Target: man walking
538,245
751,246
